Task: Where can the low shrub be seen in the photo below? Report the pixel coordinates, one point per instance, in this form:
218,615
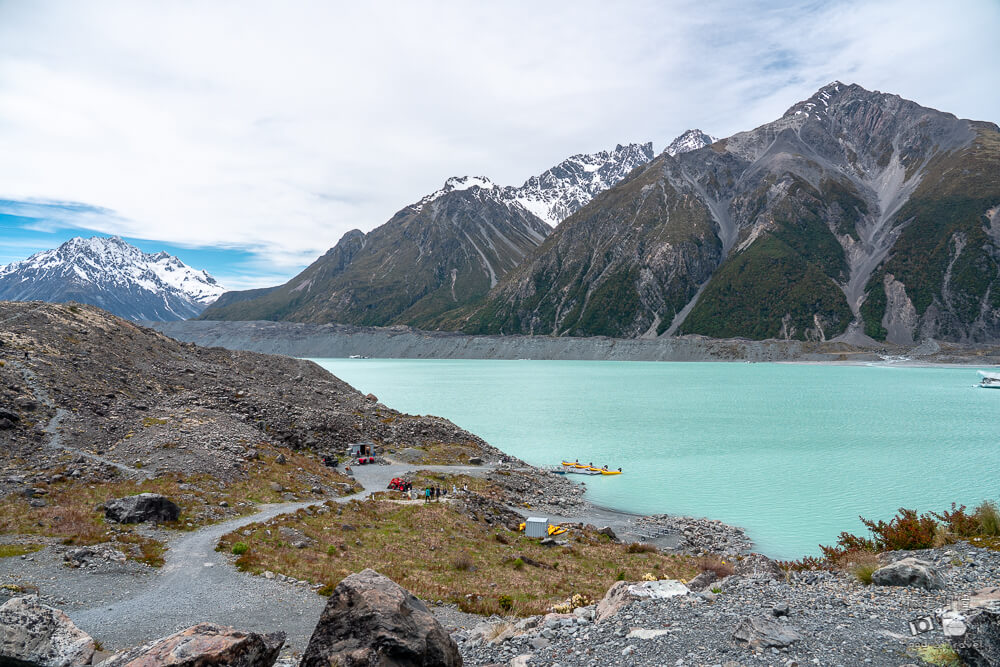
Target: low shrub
988,518
506,602
640,548
463,562
721,568
958,521
326,590
518,564
240,548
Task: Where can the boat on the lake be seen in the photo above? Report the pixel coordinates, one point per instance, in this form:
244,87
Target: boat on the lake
991,379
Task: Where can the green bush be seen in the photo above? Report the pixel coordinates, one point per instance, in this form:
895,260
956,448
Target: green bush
988,518
506,602
240,548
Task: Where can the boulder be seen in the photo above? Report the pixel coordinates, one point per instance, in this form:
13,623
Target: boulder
475,461
758,566
294,537
979,645
702,581
37,634
371,620
141,508
624,592
909,572
765,632
203,645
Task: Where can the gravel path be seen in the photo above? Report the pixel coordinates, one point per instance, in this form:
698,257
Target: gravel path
198,584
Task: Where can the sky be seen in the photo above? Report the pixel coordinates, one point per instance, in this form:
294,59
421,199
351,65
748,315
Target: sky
247,137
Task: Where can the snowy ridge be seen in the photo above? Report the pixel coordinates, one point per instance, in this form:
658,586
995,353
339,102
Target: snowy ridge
691,140
457,183
112,274
560,191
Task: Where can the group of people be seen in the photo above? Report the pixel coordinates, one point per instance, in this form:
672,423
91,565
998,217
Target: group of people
434,492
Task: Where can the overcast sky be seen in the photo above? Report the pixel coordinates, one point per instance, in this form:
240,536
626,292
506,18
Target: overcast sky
247,137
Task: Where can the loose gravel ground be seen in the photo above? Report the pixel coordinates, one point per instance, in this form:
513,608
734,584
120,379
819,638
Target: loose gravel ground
842,622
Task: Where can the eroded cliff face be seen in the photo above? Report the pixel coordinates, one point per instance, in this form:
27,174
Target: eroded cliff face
785,231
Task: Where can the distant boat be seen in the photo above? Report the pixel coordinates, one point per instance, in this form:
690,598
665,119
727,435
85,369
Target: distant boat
991,380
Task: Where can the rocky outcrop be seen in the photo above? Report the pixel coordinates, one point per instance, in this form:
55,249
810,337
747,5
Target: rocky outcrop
203,645
142,508
371,620
909,572
624,592
34,633
758,566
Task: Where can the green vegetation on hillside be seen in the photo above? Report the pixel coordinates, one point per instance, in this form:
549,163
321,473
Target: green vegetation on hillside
946,211
750,295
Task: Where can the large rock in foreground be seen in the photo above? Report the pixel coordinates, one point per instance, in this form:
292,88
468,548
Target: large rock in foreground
372,620
37,634
909,572
141,508
203,645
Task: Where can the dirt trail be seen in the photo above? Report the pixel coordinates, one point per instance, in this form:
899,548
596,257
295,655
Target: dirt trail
53,428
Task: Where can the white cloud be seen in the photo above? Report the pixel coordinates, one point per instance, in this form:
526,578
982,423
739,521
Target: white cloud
276,127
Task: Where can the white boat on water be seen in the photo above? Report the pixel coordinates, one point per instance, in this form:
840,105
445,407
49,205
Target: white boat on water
991,379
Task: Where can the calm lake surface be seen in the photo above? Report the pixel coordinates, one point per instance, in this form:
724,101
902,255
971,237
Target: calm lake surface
793,453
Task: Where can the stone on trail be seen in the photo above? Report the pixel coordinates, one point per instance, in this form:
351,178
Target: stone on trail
371,620
202,645
979,645
37,634
141,508
909,572
764,632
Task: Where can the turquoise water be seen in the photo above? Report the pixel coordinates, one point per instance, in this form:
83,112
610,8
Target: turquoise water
793,453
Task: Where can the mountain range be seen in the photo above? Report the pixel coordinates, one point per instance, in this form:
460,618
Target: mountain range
443,252
856,213
114,275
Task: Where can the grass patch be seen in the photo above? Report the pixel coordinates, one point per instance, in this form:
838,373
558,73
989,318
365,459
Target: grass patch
938,654
240,548
438,553
152,421
71,513
11,550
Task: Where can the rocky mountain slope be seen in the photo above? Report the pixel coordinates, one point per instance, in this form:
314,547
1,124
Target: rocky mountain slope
855,211
124,393
440,253
434,255
114,275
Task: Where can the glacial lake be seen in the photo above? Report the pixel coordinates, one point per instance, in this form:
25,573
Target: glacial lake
793,453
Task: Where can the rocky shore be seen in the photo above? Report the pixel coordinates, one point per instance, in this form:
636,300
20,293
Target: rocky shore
400,342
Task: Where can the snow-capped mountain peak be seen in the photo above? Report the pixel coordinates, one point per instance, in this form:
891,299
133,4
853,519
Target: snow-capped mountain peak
113,274
558,192
457,183
691,140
